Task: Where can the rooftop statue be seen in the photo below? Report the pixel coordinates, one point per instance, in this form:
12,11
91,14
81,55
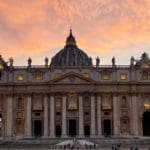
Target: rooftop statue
29,62
132,61
46,61
113,61
11,61
145,56
97,61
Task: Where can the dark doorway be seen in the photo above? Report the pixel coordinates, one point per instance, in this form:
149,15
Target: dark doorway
87,130
107,127
146,124
37,128
58,130
72,127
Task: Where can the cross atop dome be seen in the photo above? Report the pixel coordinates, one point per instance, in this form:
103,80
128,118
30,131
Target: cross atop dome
70,39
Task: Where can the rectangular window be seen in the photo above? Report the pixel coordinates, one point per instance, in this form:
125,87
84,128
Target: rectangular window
38,76
123,76
1,66
20,77
106,75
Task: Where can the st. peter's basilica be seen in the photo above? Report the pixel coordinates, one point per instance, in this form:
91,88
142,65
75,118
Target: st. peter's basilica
70,96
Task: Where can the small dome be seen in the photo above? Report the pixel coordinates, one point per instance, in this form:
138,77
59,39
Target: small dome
71,55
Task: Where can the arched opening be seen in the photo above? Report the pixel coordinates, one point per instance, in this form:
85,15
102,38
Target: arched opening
87,130
58,130
146,124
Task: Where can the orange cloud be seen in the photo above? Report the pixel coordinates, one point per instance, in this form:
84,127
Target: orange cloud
101,27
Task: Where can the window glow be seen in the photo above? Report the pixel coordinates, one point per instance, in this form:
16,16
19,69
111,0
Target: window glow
106,75
147,106
38,76
20,77
1,66
85,75
123,76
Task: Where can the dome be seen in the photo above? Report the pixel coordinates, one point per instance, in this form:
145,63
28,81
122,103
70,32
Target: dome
71,55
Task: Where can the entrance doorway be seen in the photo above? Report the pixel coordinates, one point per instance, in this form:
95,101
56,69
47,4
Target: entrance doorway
37,128
72,127
58,130
146,124
87,130
107,127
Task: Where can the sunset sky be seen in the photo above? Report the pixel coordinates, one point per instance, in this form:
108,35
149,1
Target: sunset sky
103,28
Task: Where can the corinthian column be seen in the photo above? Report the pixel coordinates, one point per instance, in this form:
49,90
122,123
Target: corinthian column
9,116
28,117
116,117
52,117
45,116
134,115
64,127
99,127
93,115
81,116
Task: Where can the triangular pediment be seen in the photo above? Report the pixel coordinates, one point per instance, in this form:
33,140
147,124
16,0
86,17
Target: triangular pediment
72,78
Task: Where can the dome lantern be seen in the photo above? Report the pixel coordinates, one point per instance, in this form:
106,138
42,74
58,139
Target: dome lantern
70,39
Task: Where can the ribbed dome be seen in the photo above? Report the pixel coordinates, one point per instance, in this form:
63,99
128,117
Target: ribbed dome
71,55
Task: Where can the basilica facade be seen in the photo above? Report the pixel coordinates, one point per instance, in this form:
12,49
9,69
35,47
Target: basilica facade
70,96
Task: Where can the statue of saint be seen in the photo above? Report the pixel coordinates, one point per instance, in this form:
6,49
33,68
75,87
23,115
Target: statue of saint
113,61
11,61
97,61
29,62
46,61
132,61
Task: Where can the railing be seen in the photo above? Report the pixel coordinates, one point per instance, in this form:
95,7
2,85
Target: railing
72,67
